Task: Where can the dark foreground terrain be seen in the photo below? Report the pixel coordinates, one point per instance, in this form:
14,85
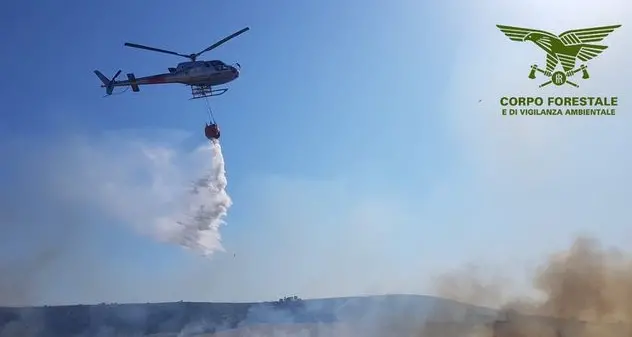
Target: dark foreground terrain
372,316
189,319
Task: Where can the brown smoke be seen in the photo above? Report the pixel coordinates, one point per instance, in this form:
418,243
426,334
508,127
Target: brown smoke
586,291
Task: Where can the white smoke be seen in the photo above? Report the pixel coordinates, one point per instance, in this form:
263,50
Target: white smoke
202,211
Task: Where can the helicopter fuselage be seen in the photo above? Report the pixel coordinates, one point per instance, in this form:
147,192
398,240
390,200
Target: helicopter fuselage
199,73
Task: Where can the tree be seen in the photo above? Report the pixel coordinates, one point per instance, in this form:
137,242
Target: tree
289,302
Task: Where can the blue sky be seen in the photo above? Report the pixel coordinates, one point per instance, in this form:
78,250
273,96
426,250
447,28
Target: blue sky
359,159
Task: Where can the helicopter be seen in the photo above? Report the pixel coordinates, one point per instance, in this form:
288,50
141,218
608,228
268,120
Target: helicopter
201,76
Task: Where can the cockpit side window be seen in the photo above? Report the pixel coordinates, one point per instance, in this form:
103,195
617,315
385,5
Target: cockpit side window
218,65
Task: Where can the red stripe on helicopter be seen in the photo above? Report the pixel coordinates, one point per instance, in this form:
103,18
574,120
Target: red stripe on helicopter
156,79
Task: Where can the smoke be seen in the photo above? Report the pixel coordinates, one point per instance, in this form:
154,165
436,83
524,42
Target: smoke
60,198
20,277
203,210
584,291
39,229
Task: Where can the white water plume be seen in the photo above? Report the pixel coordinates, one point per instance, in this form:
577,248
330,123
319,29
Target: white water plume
203,209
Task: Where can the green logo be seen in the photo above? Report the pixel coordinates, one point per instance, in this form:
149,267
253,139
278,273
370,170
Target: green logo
564,49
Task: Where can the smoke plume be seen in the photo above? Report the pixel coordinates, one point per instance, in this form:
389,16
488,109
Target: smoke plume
584,291
203,209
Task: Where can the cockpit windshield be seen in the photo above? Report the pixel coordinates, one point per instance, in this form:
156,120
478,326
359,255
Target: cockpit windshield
218,65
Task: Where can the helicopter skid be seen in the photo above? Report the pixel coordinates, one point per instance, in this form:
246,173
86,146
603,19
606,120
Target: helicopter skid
203,91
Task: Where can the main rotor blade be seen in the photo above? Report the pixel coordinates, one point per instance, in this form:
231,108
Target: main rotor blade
222,41
134,45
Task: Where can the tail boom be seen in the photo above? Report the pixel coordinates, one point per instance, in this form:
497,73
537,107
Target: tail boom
133,82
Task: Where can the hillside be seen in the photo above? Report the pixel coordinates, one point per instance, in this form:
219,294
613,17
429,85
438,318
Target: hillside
169,319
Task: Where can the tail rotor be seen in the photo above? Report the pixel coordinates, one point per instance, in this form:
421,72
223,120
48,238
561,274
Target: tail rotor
107,83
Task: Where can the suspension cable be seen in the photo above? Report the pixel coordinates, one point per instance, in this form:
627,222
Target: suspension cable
210,111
